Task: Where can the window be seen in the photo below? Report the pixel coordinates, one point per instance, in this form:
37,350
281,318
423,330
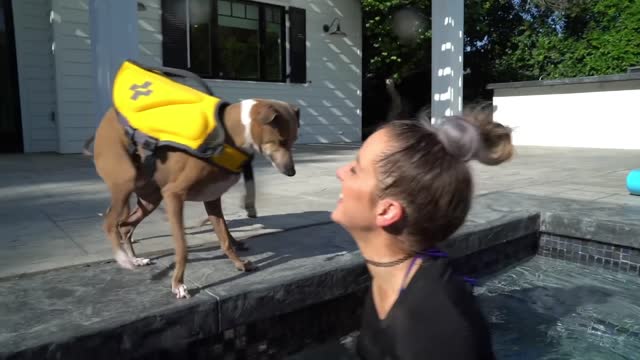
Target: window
231,39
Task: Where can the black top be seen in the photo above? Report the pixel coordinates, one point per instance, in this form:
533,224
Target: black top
436,317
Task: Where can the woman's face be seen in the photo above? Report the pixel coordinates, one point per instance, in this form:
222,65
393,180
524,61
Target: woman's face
358,207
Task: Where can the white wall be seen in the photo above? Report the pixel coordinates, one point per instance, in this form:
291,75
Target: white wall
35,74
150,33
594,115
73,73
330,104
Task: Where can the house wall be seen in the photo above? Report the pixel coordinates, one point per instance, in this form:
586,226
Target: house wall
150,33
591,115
33,35
73,73
330,103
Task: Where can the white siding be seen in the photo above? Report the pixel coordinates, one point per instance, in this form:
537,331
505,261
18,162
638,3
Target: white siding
35,74
73,73
150,33
331,103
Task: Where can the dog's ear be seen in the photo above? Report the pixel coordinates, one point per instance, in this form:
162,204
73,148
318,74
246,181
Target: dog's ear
263,112
296,110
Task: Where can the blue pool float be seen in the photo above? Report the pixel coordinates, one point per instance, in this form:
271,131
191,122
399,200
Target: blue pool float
633,182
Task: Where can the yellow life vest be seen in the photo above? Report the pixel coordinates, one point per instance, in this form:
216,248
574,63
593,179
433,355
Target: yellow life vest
162,111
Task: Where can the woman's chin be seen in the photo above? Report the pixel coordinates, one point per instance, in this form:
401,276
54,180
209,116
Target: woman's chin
335,215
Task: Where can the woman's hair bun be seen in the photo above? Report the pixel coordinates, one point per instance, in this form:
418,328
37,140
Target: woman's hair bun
474,135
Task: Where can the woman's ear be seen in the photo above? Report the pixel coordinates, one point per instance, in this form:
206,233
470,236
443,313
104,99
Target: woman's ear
388,213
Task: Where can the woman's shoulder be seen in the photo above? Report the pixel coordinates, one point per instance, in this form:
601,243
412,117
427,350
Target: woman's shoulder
436,314
437,284
442,304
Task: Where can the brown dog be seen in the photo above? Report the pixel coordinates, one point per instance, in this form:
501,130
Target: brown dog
268,127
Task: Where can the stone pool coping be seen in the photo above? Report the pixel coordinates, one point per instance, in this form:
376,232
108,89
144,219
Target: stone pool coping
591,220
77,311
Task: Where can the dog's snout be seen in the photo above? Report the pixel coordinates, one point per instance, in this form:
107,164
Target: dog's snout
283,161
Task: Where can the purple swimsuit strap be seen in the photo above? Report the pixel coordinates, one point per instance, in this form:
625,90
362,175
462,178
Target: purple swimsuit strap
430,253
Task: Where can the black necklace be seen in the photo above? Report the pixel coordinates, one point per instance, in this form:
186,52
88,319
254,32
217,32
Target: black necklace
388,263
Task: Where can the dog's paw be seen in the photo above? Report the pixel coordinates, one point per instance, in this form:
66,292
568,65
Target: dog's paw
245,266
181,292
251,212
141,262
124,260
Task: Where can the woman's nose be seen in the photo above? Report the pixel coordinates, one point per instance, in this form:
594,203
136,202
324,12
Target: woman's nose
340,172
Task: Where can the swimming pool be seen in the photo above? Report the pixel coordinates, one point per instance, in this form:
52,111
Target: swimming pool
554,309
551,309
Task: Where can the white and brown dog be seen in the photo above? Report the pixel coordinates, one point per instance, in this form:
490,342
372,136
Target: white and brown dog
267,127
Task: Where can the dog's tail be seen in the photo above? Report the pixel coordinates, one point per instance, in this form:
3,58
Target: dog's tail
87,145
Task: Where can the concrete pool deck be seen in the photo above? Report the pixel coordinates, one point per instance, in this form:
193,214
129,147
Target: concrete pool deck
49,203
48,215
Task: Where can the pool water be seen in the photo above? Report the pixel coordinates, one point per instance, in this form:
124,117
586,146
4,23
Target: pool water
549,309
553,309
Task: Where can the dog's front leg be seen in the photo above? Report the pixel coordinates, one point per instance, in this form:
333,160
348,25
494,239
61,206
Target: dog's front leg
250,191
174,200
214,210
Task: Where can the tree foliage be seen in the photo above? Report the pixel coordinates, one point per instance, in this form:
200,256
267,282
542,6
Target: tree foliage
590,37
513,40
384,52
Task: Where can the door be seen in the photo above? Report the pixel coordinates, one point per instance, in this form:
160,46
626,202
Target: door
10,122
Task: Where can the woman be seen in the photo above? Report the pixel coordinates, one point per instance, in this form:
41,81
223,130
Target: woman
408,190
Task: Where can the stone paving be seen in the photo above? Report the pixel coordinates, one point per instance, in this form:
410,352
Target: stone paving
50,204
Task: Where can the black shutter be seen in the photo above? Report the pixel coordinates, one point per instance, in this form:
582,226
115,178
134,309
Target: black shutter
298,45
174,34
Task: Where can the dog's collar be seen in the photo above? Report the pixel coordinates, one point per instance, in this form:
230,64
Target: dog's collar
230,156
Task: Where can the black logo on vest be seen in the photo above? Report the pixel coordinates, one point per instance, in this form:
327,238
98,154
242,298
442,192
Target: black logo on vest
137,92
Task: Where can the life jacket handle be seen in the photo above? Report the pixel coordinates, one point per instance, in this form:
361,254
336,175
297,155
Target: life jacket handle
177,72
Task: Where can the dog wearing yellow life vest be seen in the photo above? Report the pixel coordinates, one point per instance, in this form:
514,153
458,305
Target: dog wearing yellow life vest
164,140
